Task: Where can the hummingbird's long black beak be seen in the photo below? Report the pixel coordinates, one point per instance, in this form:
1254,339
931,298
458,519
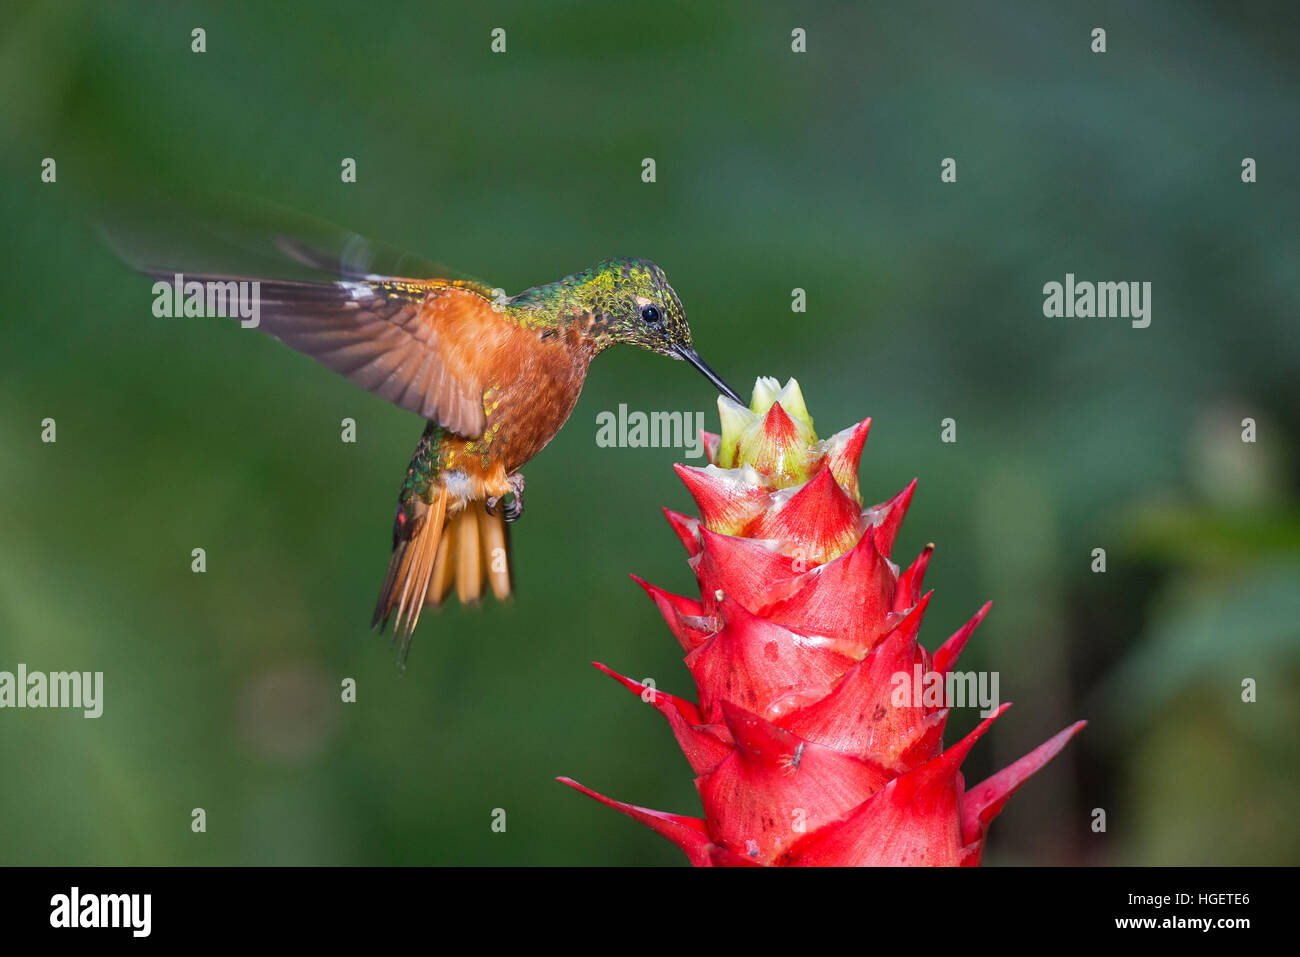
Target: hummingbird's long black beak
693,357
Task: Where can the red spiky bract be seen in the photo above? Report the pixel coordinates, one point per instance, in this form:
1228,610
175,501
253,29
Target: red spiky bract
803,754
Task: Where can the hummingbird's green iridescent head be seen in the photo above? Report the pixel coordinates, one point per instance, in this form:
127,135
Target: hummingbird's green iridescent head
632,302
624,301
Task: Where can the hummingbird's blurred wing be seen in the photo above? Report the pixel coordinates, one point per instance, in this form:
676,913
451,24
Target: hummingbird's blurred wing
232,234
407,340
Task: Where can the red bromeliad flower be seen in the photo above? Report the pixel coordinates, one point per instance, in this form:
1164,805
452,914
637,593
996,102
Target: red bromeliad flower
804,751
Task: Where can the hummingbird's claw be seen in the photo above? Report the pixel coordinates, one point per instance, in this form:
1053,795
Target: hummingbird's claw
515,507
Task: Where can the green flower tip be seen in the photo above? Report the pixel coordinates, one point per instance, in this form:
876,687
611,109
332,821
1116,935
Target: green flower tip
774,435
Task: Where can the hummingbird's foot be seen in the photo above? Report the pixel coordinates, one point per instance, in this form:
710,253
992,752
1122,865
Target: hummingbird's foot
513,508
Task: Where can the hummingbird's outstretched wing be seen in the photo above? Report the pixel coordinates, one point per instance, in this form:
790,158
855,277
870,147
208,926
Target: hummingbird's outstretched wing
405,340
409,341
401,339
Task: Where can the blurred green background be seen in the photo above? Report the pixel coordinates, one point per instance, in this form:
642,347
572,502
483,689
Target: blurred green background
775,170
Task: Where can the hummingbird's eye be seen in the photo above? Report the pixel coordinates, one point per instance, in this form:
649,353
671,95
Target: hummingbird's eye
650,315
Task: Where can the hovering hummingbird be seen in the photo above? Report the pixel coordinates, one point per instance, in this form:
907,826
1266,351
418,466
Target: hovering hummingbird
494,376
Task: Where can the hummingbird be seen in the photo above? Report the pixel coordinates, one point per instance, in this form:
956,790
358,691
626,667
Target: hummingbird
494,376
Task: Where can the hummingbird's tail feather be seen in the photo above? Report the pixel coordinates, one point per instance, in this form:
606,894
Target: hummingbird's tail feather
410,570
494,542
474,550
449,542
444,567
469,560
